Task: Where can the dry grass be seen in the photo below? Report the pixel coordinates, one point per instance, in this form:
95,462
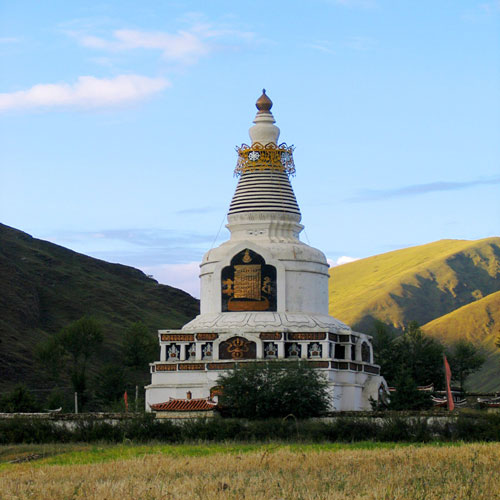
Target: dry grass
428,472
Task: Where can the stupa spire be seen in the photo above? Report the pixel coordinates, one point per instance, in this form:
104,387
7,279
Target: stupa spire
264,131
264,168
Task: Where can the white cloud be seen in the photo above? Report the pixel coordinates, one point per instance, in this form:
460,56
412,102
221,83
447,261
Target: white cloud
341,260
361,43
9,39
183,46
355,3
491,7
321,46
183,276
87,92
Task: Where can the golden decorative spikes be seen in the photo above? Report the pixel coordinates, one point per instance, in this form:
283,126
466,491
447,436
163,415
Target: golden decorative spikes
258,157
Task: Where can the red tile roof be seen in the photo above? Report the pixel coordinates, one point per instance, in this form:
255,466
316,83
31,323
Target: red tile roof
203,404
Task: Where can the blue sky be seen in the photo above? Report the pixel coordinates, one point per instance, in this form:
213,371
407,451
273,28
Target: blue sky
118,122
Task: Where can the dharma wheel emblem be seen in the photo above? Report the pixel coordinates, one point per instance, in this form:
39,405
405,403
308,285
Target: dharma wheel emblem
238,347
253,155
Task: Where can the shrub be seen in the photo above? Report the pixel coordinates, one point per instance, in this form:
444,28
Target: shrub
273,390
19,400
474,426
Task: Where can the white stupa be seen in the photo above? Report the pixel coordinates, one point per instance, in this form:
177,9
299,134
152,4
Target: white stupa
264,294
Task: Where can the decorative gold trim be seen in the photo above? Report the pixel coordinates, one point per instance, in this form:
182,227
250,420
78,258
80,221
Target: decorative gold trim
306,336
206,336
259,157
166,368
191,366
221,366
177,337
270,336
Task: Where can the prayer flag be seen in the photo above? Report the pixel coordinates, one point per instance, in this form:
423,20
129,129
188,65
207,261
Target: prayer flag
447,371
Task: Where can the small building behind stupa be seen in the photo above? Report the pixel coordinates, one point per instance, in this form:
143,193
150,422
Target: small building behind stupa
264,295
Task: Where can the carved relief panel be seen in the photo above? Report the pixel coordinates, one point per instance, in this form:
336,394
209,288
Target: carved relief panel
191,351
270,350
314,350
207,350
173,352
237,348
293,350
248,284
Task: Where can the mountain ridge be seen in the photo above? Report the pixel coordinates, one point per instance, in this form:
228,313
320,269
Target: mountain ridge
451,287
425,283
47,286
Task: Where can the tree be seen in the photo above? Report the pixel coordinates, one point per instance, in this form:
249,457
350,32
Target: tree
412,353
421,355
407,396
81,340
273,390
139,346
50,355
386,351
110,385
465,358
19,400
72,347
406,361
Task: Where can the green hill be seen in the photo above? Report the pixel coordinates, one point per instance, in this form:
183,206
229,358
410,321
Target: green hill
478,322
424,283
46,286
419,283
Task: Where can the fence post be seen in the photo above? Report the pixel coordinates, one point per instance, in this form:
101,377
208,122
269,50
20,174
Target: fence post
76,402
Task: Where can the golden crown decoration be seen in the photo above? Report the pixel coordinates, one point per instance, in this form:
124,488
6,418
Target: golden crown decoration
258,157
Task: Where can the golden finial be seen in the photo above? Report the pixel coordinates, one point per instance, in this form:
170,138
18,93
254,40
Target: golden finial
264,104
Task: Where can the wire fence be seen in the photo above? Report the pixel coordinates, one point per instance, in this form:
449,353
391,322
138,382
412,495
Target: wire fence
66,400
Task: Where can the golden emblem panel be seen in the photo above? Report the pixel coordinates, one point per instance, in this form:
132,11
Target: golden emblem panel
248,284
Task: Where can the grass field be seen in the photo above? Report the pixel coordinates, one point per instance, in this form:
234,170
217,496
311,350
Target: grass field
272,471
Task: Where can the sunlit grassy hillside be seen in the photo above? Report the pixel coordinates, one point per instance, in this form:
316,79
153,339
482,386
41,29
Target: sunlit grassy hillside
450,286
478,322
419,283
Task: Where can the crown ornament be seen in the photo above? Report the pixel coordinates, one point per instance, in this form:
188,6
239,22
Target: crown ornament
259,157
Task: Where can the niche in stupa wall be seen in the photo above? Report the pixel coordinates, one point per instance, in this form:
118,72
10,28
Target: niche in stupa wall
248,284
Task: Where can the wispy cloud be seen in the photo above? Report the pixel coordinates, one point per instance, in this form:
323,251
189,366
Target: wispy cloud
184,46
322,46
86,92
360,43
141,237
141,248
354,3
344,259
197,210
9,39
491,7
418,189
183,276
